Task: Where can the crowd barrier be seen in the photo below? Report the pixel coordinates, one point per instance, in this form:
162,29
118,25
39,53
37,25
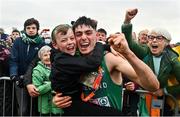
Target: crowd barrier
6,97
176,109
8,104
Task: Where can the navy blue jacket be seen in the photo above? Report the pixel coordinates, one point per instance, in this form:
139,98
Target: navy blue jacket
21,56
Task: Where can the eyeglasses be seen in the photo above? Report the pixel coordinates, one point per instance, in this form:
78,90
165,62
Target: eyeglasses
158,38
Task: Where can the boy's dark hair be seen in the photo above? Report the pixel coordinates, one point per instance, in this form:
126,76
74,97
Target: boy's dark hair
86,21
30,22
102,31
15,30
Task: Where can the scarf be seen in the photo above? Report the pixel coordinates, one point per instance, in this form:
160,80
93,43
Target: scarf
31,40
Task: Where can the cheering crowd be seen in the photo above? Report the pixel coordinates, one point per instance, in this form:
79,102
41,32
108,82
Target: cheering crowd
78,70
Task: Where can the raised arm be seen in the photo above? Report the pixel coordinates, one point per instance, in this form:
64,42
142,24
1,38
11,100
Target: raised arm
135,69
139,49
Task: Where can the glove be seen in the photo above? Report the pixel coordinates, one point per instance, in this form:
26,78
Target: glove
19,81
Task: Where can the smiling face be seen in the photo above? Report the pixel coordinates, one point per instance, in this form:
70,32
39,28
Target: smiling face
45,58
65,42
86,38
156,43
44,55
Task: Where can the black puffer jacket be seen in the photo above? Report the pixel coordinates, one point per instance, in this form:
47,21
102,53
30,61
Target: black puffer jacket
66,69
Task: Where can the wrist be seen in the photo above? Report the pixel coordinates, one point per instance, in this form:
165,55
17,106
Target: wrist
128,54
127,22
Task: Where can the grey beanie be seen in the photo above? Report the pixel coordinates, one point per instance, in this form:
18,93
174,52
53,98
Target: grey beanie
163,32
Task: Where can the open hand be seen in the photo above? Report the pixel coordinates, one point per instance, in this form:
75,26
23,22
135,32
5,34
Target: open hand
62,101
119,43
130,86
33,92
159,92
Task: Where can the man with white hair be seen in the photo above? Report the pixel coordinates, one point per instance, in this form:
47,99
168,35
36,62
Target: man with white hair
160,57
142,36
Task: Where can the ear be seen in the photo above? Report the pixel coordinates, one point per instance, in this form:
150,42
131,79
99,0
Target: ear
97,34
54,44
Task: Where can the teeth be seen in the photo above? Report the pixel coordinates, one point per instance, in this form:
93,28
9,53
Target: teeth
84,44
70,47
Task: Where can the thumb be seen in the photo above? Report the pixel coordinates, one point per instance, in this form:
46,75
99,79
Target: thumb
59,94
35,89
113,51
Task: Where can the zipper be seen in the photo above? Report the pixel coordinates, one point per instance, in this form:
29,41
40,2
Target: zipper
28,49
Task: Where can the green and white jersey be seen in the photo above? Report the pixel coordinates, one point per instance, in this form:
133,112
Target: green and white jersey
108,94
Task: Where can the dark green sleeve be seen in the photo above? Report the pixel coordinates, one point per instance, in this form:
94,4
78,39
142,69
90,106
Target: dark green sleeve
141,50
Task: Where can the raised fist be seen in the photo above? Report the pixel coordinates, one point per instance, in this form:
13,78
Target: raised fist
130,14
